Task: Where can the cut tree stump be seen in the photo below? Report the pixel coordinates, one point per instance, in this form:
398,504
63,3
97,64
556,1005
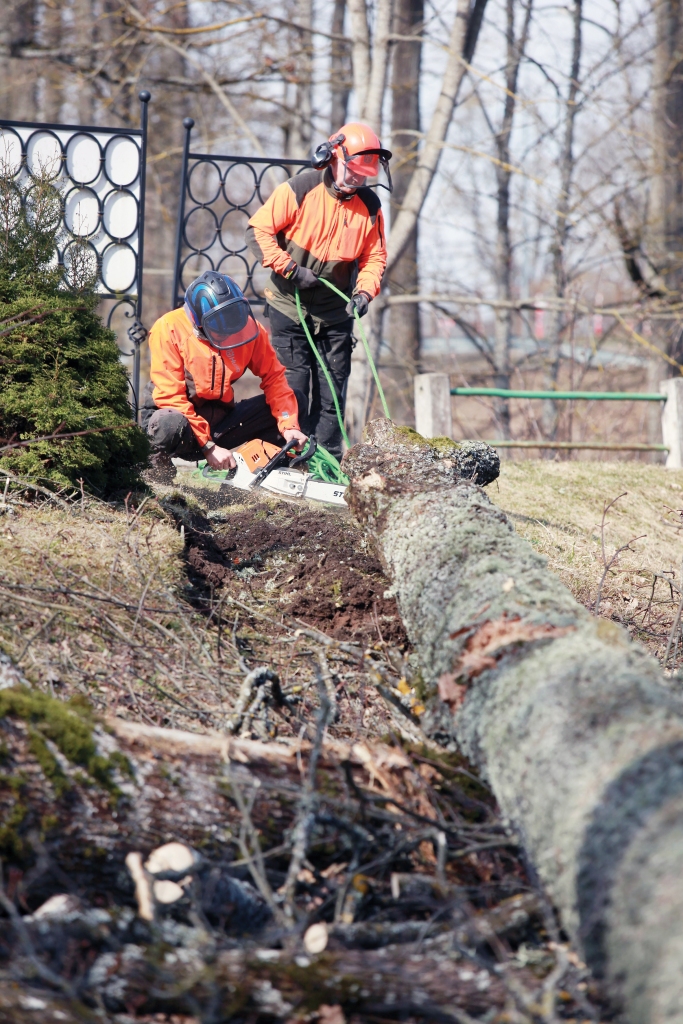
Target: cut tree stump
575,727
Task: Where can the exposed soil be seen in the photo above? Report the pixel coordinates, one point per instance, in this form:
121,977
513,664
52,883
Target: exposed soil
315,563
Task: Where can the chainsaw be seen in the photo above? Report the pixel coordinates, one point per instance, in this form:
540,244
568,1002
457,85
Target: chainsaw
314,473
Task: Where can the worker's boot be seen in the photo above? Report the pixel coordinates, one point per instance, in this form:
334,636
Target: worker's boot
161,469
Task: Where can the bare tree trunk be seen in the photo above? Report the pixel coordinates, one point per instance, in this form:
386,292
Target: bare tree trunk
557,317
503,329
360,50
372,109
300,138
575,727
17,86
667,244
51,85
404,350
461,44
340,69
82,29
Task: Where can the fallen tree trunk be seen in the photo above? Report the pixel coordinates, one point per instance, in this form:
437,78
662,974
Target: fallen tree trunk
574,726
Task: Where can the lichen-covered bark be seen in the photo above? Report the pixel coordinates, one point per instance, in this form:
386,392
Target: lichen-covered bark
574,726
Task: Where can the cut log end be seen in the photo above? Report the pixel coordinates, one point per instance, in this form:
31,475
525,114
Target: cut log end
392,461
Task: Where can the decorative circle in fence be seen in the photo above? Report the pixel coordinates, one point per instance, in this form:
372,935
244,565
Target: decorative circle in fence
218,196
99,180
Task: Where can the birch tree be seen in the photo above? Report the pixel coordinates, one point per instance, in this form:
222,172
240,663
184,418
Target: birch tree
404,322
516,43
562,223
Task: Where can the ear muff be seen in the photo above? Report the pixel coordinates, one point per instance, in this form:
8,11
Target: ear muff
325,151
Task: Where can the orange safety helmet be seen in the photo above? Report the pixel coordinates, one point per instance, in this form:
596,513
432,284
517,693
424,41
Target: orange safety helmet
359,149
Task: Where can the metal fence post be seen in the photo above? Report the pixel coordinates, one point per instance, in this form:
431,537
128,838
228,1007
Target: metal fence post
672,421
137,332
188,125
433,405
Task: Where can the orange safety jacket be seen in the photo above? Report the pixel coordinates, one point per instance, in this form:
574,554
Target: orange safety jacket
305,222
186,370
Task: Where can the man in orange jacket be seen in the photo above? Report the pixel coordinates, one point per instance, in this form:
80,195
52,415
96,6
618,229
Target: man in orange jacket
323,223
197,351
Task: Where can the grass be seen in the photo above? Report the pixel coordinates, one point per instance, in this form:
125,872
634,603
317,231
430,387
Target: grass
558,507
94,601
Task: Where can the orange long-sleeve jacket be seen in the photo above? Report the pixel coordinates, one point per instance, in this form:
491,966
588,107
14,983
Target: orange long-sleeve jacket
186,369
305,222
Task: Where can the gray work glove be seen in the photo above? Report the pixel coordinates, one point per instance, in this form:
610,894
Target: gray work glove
359,301
302,277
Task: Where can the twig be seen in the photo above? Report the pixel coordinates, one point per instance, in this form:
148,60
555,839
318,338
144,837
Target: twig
42,971
254,859
56,436
30,485
328,683
36,634
253,679
674,626
306,814
624,547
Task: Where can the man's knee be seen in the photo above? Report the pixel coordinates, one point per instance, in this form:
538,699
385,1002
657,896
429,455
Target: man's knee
166,429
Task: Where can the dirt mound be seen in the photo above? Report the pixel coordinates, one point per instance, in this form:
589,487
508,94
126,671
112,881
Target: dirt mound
313,563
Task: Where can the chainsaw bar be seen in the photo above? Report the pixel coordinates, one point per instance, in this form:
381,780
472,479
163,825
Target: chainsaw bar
291,483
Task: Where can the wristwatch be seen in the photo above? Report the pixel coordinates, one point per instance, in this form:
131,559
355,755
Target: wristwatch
208,446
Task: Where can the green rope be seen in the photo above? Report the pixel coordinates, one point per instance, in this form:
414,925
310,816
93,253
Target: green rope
368,353
320,359
324,466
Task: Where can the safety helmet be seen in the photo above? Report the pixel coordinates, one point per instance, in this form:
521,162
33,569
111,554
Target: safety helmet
359,149
219,311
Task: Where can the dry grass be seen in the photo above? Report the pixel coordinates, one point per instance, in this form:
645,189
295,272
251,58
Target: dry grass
558,507
100,600
93,601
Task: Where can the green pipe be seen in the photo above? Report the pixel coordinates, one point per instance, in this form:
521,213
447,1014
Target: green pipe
588,445
598,396
326,372
368,353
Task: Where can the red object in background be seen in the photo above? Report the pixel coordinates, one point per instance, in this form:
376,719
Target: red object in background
539,324
597,317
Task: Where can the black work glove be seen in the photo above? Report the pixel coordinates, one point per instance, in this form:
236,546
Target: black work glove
359,301
302,277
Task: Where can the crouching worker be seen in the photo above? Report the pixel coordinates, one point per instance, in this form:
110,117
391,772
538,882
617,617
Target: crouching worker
197,351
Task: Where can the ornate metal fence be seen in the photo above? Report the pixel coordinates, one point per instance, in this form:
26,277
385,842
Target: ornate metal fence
100,175
218,196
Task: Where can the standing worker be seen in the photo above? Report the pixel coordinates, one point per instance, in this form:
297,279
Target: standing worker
324,223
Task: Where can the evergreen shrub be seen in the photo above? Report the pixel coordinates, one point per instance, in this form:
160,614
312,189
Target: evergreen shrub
59,365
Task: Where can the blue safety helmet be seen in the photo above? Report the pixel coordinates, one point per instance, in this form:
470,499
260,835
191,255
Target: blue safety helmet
219,311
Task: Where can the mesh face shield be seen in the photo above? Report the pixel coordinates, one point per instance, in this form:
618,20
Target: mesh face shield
366,164
229,325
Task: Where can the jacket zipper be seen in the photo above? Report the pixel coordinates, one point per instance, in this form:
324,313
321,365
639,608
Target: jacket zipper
222,377
213,372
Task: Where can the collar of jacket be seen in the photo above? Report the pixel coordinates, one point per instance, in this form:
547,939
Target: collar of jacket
329,185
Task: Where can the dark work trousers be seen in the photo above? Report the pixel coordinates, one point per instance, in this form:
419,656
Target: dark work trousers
304,373
231,424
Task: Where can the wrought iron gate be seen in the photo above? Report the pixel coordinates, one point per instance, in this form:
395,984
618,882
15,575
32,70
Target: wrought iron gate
100,173
218,194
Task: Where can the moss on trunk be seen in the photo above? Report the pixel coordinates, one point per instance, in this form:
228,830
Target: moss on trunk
574,726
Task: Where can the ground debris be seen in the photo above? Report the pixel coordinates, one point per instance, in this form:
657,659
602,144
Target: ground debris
324,805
